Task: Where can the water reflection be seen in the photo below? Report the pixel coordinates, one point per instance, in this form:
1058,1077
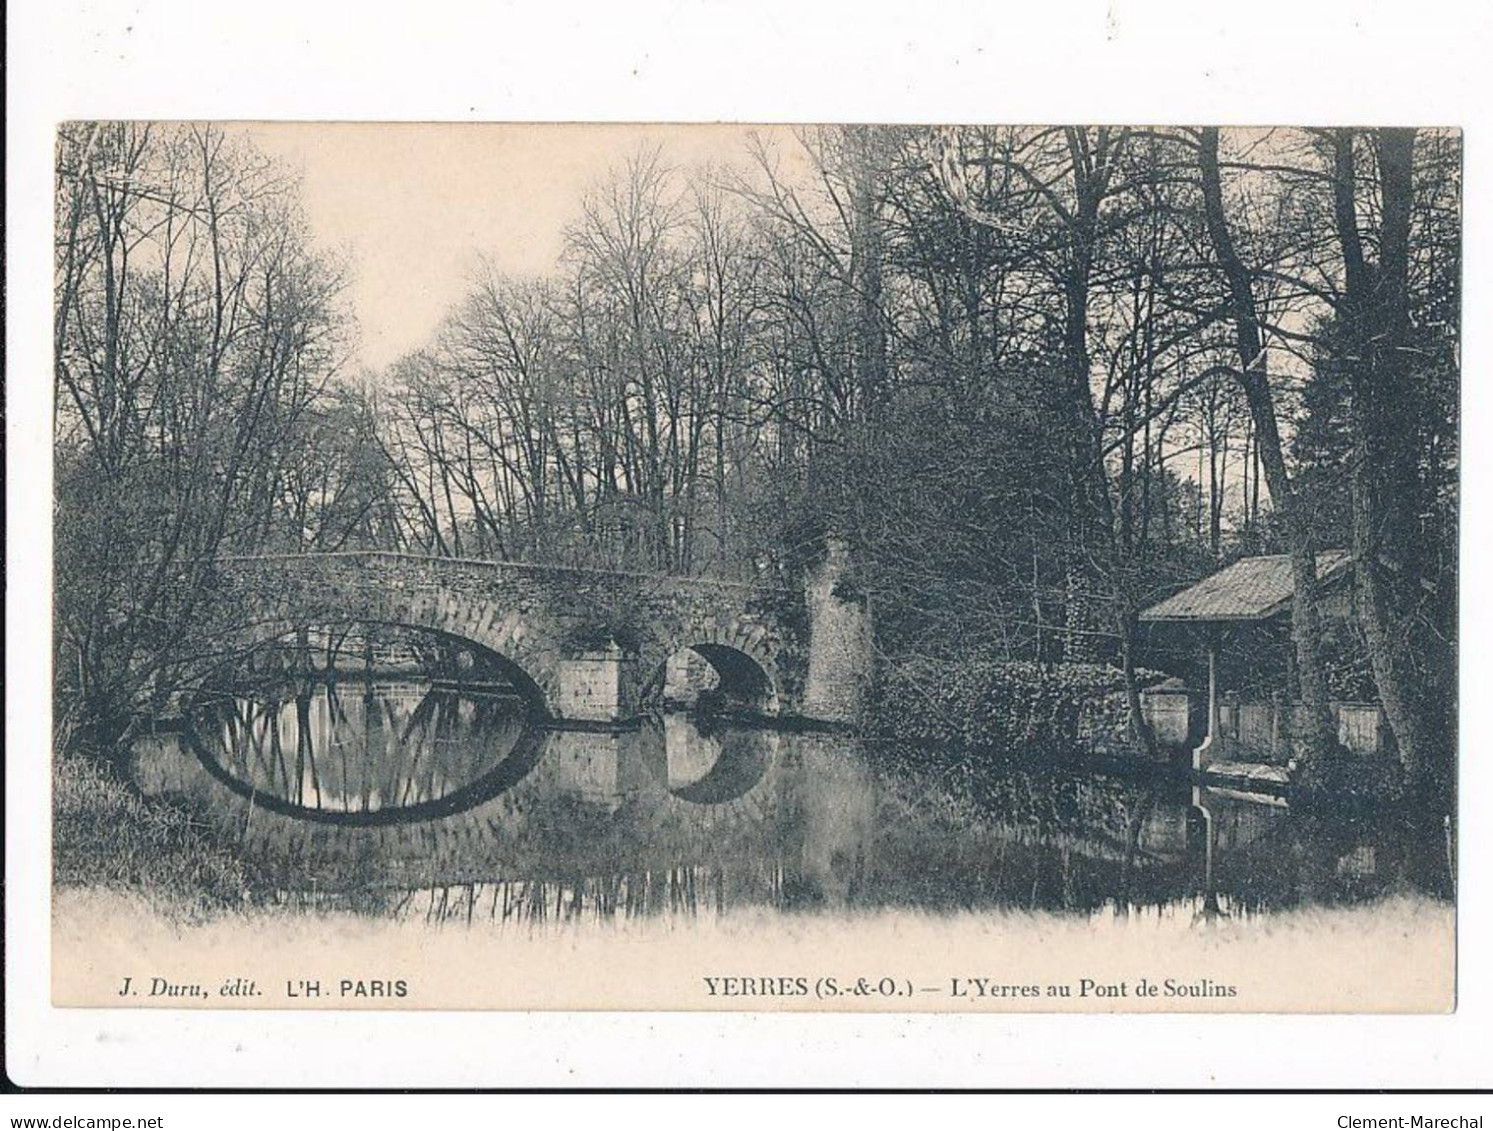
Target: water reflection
410,800
383,750
699,760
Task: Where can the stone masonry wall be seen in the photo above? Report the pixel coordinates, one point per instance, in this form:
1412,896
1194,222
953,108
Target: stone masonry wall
539,618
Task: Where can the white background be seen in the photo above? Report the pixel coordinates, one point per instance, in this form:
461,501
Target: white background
1265,62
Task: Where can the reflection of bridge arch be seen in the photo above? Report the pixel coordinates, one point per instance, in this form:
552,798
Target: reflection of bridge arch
815,827
701,766
501,776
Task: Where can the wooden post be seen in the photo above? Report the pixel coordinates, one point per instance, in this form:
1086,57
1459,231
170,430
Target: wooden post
1212,746
1277,706
1215,720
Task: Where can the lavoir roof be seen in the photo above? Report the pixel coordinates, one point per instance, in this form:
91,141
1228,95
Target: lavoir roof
1250,589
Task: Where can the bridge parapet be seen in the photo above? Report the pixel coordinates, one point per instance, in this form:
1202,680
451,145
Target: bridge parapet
477,568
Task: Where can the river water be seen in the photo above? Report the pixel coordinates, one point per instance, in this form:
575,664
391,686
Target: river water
407,798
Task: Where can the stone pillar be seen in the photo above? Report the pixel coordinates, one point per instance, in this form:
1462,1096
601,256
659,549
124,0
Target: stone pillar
1174,712
596,687
841,652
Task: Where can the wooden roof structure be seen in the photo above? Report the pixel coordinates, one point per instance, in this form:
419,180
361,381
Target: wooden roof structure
1251,589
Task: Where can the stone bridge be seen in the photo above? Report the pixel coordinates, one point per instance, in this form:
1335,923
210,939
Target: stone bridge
587,646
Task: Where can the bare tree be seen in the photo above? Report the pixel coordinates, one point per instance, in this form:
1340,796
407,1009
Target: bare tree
194,326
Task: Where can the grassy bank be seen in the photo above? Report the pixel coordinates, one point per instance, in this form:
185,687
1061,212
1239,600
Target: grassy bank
105,835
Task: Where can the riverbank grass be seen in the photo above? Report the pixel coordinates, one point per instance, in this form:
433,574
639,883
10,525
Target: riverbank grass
105,835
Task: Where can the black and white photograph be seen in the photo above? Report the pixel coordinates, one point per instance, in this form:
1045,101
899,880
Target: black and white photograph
729,567
796,548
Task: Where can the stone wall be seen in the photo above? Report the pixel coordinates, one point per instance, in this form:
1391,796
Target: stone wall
841,648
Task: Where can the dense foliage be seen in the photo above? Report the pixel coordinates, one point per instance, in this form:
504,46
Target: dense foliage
1012,707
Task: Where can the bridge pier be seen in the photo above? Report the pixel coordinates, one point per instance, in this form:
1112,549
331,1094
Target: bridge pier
599,686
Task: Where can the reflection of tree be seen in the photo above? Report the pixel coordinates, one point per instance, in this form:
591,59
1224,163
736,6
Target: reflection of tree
953,836
1268,859
390,746
305,747
685,890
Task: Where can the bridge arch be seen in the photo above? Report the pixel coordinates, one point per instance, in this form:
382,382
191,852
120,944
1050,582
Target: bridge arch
521,648
744,658
514,670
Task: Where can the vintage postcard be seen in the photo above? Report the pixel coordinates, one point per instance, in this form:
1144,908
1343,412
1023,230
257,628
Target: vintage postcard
726,567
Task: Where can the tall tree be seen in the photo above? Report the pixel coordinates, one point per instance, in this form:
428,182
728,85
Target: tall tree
1317,733
1386,398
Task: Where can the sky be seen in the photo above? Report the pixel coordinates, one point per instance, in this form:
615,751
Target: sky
413,206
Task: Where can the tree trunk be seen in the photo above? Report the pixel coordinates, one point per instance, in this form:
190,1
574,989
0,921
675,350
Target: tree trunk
1091,171
1316,735
1128,623
866,276
1377,315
